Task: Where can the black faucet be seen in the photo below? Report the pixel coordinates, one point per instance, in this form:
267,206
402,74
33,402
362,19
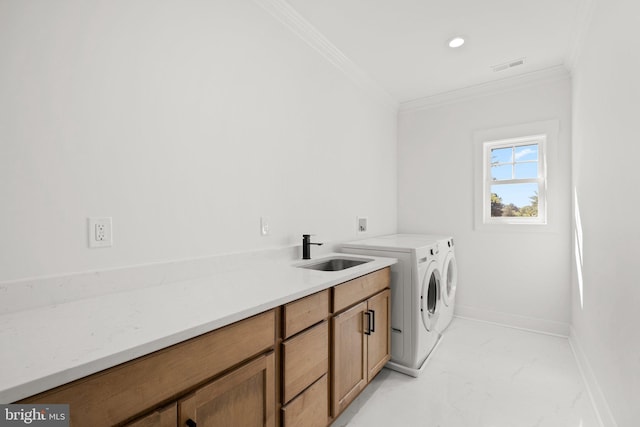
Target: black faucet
306,246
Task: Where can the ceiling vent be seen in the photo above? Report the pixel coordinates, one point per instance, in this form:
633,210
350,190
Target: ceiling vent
507,65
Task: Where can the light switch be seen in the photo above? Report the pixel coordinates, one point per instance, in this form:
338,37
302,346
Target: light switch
264,226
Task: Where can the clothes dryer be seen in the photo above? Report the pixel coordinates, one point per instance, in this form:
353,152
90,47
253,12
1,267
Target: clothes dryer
449,269
415,296
449,275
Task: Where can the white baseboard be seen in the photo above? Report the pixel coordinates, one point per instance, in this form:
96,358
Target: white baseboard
532,324
598,400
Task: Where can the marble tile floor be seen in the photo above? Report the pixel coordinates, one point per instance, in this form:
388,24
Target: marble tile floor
481,375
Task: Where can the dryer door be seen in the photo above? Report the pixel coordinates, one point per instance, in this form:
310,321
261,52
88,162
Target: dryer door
430,296
449,279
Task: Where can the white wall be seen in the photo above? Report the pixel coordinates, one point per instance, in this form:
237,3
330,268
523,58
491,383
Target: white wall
185,122
521,278
606,108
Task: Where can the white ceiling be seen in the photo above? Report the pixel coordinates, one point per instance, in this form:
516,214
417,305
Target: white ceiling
402,44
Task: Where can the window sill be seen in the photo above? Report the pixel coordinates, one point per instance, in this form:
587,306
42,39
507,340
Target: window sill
516,228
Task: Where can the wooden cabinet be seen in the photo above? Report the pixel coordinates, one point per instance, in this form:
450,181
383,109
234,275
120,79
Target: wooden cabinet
245,397
305,361
379,341
305,358
163,417
361,343
309,409
124,392
358,345
349,367
298,365
359,289
305,312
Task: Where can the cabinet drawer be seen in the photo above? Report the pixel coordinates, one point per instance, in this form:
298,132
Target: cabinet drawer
305,312
305,358
164,417
359,289
310,409
117,394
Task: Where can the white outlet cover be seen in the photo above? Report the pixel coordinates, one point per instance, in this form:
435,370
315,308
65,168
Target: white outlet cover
362,224
99,232
264,226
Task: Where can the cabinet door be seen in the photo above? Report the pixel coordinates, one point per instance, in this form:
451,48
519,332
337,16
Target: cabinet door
243,397
349,373
379,342
164,417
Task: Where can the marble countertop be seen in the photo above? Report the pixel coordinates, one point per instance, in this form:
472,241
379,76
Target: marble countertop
48,346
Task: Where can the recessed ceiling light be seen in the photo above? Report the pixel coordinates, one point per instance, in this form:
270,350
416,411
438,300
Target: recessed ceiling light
456,42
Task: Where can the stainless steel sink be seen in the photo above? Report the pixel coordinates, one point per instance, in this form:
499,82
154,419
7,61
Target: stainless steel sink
335,264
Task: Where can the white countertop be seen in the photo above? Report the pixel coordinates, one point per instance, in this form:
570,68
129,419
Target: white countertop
49,346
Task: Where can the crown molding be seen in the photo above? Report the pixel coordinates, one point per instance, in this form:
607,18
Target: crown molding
288,16
558,72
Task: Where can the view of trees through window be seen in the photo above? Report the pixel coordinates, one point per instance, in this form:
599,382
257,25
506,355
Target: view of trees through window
498,208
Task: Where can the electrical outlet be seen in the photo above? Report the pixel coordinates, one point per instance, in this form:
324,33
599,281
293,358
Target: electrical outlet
100,232
362,224
264,226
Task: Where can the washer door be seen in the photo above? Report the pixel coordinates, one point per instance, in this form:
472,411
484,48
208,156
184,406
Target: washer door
430,296
450,279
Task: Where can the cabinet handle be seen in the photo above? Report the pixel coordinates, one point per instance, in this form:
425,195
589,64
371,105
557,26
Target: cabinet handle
373,321
191,423
368,328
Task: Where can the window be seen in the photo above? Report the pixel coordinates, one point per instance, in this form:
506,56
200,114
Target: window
514,190
515,174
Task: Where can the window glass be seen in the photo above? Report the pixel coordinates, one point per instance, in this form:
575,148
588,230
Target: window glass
526,170
501,172
514,162
501,155
514,200
526,152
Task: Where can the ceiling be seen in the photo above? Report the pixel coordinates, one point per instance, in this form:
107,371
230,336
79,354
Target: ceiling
402,44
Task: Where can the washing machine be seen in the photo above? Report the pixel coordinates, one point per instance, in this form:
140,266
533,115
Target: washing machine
415,296
448,273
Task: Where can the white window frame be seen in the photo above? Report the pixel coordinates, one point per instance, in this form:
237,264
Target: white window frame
541,179
550,129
